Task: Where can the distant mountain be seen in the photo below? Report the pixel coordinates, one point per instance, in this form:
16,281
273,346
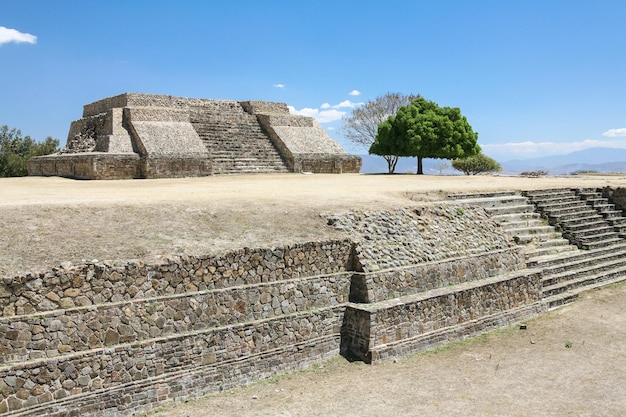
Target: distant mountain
373,164
601,160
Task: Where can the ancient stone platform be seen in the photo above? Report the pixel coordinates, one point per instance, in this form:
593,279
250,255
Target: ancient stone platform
157,136
105,339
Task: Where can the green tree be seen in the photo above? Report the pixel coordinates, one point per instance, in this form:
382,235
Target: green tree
361,126
15,150
425,130
476,164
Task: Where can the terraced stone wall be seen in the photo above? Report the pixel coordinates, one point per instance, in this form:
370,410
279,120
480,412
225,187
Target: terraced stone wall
137,334
99,339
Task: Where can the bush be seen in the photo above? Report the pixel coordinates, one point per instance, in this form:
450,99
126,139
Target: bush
534,174
476,164
584,172
15,150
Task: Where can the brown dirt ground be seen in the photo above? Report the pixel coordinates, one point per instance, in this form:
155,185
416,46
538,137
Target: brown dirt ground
46,221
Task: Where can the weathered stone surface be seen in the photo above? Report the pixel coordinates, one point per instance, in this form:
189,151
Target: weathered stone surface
134,336
153,136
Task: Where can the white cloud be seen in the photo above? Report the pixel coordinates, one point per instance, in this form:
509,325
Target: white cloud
327,112
346,103
529,149
323,116
613,133
11,35
279,85
354,93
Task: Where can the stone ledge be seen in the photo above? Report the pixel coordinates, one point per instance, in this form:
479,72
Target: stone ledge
91,165
414,317
458,332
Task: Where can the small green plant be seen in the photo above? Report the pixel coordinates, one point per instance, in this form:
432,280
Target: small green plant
568,344
460,211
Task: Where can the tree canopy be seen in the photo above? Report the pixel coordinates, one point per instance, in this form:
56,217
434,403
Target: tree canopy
476,164
361,126
15,150
425,130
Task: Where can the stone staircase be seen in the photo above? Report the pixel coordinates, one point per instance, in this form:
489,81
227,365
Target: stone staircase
595,259
518,219
609,211
566,275
235,140
581,223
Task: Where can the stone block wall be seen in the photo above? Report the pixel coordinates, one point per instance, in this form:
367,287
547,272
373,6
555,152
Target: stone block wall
398,327
101,339
390,283
428,276
305,145
117,332
87,166
616,196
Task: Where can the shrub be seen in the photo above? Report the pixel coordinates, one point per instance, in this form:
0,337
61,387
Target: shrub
534,174
476,164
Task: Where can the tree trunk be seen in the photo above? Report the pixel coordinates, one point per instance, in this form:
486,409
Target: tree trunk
392,160
420,170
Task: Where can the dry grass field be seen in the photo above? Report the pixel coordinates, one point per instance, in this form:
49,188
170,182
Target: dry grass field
47,221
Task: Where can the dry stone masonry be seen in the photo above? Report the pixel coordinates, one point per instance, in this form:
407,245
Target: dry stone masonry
157,136
104,339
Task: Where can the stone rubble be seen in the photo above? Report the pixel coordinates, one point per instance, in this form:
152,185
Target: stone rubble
401,237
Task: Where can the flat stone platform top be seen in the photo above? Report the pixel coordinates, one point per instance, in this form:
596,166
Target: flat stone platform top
162,100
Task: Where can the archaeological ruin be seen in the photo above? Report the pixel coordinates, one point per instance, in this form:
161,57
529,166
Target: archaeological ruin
102,339
158,136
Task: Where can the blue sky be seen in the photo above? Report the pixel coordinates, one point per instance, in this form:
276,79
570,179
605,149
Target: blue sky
533,78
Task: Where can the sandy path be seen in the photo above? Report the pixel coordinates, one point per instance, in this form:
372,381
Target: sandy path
268,188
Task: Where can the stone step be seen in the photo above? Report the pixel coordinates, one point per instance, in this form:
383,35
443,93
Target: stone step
245,158
614,275
517,217
508,210
571,210
601,243
478,196
612,214
564,218
598,233
572,295
548,249
540,229
580,263
580,269
547,193
545,262
521,224
494,202
534,238
591,223
555,203
603,207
